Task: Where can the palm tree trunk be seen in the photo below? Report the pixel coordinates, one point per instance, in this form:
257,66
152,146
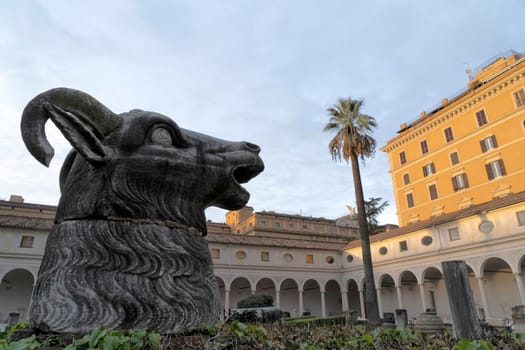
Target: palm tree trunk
372,308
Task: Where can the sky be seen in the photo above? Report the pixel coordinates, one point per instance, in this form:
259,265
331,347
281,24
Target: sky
259,71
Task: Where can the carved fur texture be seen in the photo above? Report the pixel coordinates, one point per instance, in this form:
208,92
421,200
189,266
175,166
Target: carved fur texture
124,275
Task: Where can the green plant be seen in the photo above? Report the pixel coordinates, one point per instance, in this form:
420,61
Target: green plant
106,339
255,300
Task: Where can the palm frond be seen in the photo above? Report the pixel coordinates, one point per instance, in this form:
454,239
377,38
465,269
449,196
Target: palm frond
353,130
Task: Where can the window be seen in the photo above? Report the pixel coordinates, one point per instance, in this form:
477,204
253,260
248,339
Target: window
410,200
277,224
265,256
427,240
481,117
290,226
403,246
263,222
488,143
406,178
215,253
521,217
309,258
495,169
449,136
454,158
349,258
402,157
453,234
459,182
330,259
27,241
305,227
241,255
519,97
424,147
383,250
428,169
288,257
432,190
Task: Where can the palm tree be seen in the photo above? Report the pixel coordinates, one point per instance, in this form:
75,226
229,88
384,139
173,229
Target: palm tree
352,141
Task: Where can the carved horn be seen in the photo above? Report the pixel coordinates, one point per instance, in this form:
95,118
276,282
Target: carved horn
100,118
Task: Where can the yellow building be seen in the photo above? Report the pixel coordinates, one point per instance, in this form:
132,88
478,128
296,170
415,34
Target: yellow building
466,151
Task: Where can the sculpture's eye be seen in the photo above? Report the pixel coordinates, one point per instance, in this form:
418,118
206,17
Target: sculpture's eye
161,136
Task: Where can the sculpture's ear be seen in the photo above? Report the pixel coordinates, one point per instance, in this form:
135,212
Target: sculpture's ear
80,133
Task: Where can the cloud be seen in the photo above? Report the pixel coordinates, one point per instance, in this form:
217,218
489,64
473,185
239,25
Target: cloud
264,72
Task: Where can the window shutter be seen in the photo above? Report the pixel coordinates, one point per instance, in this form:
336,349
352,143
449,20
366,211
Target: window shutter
425,171
483,146
490,174
465,180
494,142
433,169
454,183
502,167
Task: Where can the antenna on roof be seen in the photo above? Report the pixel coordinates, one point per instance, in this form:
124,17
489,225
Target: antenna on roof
468,71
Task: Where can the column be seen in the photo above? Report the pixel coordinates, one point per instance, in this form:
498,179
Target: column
301,306
379,303
483,293
399,297
226,300
253,291
323,304
278,298
362,303
344,300
423,296
521,290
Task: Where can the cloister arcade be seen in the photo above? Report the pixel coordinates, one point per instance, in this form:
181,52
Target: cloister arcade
496,282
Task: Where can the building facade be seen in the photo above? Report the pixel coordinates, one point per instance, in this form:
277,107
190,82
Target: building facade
457,176
465,151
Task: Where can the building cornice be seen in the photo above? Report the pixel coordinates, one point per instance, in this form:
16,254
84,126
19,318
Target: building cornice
478,95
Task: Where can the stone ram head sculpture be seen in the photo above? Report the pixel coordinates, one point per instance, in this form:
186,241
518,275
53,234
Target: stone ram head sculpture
137,164
127,251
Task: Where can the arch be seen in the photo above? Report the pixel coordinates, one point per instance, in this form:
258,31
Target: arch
410,296
16,287
494,263
240,288
386,293
330,281
499,283
385,278
239,278
289,296
312,297
273,281
407,276
435,291
354,297
34,274
519,265
431,272
351,280
266,286
333,301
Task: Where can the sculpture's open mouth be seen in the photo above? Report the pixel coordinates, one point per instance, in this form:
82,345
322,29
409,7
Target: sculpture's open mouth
244,173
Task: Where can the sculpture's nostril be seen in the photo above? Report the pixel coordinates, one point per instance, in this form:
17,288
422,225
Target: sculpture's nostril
252,147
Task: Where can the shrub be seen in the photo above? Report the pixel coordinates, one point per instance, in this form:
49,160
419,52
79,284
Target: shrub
256,300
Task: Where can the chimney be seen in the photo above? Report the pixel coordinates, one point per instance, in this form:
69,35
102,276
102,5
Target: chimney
16,198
